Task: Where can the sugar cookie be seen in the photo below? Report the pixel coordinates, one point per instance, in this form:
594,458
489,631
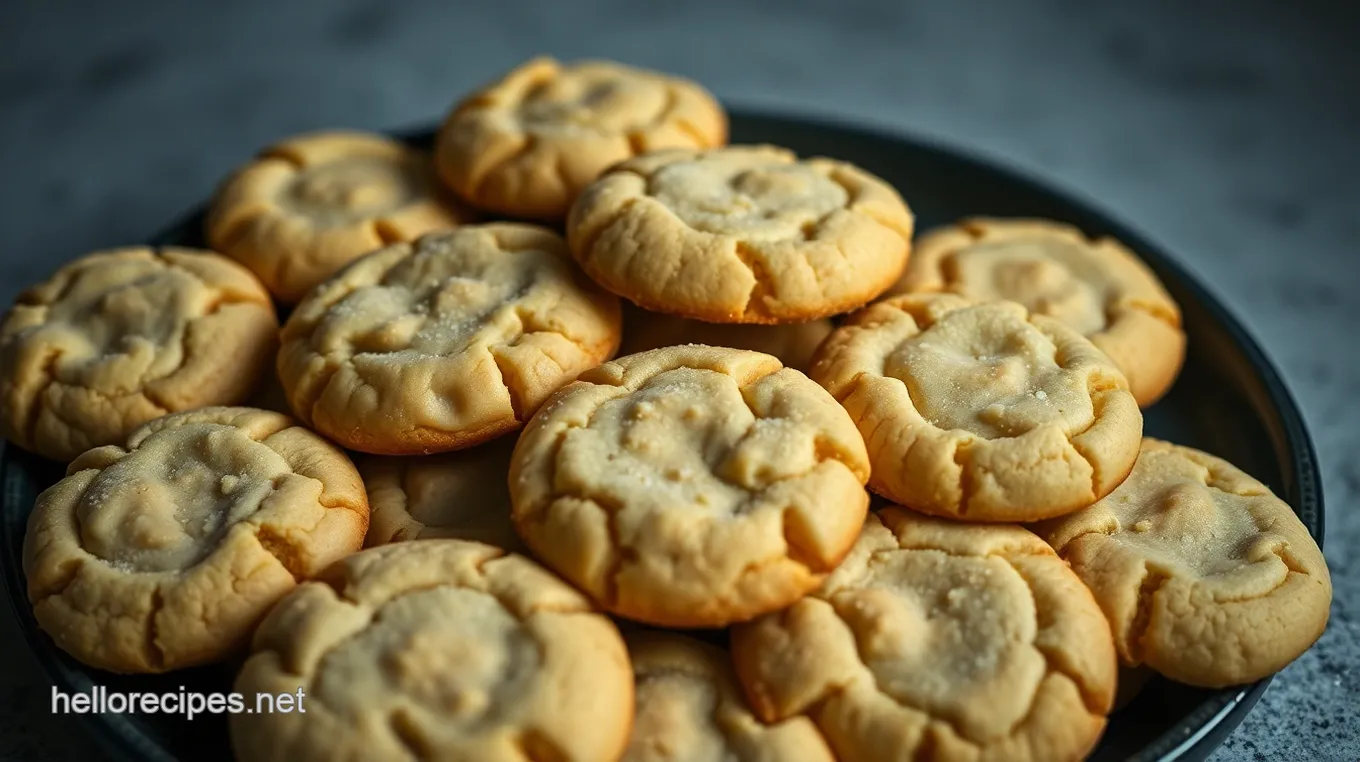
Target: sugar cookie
117,338
166,554
446,342
1204,574
1098,287
938,640
690,486
527,144
313,203
747,234
981,411
437,649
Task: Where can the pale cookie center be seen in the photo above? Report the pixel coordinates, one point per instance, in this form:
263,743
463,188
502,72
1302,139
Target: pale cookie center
685,439
949,635
1189,525
118,327
435,305
601,103
358,188
1050,277
166,505
986,372
757,200
675,720
447,656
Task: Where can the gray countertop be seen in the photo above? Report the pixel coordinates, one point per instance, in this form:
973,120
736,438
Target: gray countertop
1225,131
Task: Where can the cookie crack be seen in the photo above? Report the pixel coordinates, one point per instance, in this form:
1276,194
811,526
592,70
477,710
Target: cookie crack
386,233
523,149
48,370
1141,626
963,460
229,239
585,242
537,746
404,729
692,132
155,653
1159,312
283,549
503,367
58,588
1088,701
760,289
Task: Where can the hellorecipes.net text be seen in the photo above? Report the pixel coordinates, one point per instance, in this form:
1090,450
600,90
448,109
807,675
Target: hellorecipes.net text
100,700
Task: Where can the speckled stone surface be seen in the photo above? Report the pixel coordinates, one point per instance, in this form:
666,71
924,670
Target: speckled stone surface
1225,131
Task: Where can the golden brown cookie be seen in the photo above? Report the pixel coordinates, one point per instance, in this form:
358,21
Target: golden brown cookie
981,411
690,709
747,234
527,144
446,342
1204,574
166,554
690,486
117,338
437,649
1096,286
942,641
463,495
313,203
792,343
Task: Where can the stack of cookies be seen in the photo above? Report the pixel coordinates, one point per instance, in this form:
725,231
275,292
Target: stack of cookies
540,517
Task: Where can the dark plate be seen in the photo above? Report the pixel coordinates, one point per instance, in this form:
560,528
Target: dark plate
1229,401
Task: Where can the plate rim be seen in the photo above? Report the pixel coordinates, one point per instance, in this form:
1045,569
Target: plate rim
1194,734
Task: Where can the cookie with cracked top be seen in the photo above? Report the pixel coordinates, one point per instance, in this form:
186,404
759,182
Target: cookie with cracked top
446,342
1204,574
526,145
744,234
311,204
437,649
119,337
690,708
166,553
1098,287
690,486
938,640
981,411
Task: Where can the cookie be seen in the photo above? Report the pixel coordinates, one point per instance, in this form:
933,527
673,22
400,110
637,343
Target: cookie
747,234
1096,286
938,640
690,486
793,344
1204,575
527,144
437,649
315,202
166,553
463,495
981,411
446,342
690,709
117,338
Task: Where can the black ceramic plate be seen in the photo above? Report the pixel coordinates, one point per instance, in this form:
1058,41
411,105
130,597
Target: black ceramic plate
1229,401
